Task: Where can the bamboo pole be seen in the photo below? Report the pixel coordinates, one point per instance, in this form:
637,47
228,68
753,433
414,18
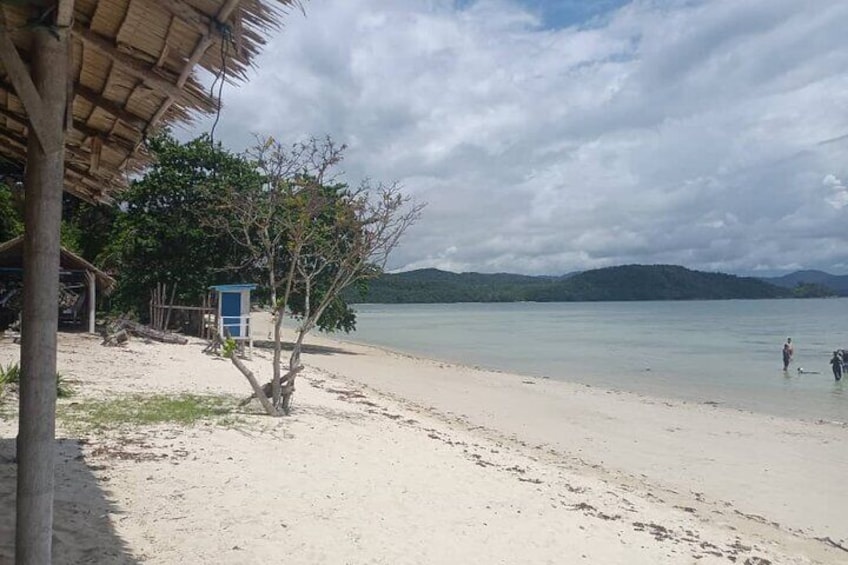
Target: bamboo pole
204,333
170,307
91,287
43,214
157,308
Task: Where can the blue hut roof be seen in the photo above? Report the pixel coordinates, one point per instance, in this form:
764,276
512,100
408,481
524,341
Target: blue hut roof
233,287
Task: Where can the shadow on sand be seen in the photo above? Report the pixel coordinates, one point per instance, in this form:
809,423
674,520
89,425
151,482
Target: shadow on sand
308,349
82,529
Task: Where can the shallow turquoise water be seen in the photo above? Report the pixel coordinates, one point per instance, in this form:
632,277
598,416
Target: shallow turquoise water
702,351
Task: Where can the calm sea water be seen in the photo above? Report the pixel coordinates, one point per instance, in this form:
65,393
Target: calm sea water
703,351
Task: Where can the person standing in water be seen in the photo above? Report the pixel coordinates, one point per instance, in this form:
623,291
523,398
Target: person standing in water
836,361
787,353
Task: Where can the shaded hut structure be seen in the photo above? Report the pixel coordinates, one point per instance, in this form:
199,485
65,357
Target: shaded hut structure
80,285
82,84
129,66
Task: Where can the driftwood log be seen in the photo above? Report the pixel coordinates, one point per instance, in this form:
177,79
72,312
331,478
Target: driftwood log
141,330
216,344
117,338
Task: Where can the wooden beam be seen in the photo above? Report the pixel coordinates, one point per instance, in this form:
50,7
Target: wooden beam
200,49
166,48
96,149
94,98
26,91
132,121
206,40
44,183
87,131
15,117
82,156
93,185
157,79
83,172
188,14
71,168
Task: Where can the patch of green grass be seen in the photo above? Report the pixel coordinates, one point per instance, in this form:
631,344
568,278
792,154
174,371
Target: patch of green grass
148,410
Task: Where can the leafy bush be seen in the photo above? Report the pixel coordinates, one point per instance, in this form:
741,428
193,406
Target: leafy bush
10,374
62,388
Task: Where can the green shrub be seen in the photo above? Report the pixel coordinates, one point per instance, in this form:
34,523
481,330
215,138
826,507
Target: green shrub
10,376
62,388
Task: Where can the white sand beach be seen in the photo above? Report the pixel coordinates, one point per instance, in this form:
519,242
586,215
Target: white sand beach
388,458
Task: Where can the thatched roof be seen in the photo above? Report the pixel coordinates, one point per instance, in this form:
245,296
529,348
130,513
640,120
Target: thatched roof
133,69
11,256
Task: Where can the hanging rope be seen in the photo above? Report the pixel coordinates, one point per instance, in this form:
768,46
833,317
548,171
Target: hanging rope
226,38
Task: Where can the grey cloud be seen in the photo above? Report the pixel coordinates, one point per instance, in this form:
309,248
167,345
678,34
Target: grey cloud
666,131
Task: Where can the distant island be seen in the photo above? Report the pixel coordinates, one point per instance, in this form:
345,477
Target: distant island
627,282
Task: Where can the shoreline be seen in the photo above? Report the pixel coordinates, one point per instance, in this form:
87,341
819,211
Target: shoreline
388,458
694,352
784,469
649,395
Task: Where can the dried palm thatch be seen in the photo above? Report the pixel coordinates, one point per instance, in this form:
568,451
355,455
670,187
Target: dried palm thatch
133,68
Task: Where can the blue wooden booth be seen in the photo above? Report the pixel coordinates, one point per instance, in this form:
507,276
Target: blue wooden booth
234,312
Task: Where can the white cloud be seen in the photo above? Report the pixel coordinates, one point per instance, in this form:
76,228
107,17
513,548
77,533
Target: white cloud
837,193
668,131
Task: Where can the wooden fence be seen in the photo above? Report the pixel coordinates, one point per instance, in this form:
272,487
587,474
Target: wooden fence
162,306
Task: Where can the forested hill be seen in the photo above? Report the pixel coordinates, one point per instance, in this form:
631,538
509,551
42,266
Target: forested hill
433,285
838,283
629,282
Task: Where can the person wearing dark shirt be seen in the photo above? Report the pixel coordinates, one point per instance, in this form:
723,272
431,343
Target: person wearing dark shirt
787,353
836,361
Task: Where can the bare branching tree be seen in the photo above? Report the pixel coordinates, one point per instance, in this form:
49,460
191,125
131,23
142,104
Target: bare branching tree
311,237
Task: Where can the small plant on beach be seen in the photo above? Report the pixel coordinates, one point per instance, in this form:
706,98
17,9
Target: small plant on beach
62,388
10,374
10,379
229,348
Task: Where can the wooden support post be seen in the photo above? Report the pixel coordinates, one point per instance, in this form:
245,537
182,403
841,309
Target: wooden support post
43,213
92,299
170,307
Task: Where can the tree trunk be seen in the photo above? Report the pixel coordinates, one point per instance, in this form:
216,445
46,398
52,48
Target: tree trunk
257,390
43,213
294,368
280,309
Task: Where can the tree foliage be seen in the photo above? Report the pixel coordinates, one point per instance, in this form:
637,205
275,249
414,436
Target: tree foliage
11,212
628,282
87,228
311,237
161,234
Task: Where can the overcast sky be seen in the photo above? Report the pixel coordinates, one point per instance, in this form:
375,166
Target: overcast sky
554,136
